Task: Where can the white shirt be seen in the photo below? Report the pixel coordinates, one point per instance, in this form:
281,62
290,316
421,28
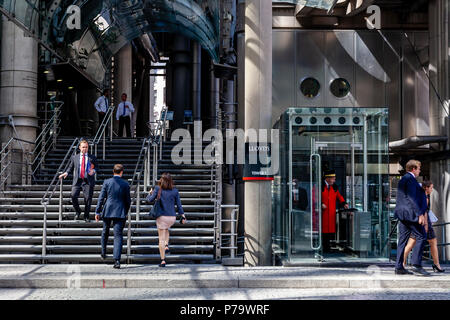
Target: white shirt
412,174
128,111
86,162
101,104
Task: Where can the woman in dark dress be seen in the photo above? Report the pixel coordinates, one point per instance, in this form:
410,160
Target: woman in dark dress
431,235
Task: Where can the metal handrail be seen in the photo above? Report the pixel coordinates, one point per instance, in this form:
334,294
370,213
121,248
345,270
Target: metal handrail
5,151
157,138
233,229
47,197
47,143
101,131
136,196
53,184
443,243
41,147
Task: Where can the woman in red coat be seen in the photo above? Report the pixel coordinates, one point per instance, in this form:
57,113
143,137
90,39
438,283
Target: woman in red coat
330,194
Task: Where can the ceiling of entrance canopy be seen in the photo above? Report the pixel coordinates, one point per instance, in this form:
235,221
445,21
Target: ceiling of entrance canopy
319,4
106,26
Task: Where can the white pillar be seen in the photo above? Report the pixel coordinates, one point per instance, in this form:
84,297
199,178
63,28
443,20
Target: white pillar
258,113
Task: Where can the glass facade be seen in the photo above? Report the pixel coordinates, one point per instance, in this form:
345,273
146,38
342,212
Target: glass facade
352,143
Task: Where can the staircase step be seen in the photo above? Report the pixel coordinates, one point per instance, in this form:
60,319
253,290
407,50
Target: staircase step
55,249
98,187
71,224
66,207
97,259
82,240
66,200
97,231
70,215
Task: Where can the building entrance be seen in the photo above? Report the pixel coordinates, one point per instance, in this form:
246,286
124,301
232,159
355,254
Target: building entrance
330,199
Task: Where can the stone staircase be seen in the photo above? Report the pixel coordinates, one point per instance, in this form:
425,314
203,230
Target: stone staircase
69,241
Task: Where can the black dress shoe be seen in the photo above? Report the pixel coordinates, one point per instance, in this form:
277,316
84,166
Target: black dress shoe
418,270
402,271
103,255
77,216
117,264
87,220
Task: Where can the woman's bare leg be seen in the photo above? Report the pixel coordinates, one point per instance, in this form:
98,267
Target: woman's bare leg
434,251
161,238
408,248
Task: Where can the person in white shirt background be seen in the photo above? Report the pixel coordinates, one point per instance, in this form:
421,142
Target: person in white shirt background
123,114
102,105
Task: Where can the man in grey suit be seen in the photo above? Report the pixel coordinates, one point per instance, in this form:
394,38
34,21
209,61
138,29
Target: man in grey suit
113,205
84,167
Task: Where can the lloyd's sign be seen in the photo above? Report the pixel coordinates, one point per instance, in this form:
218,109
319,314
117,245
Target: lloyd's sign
257,165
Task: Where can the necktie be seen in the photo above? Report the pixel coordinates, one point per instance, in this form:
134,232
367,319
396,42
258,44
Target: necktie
82,167
123,106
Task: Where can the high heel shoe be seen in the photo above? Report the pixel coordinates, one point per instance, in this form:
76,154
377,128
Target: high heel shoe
167,251
162,264
436,269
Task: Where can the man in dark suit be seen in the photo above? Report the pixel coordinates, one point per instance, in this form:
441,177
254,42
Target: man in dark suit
84,168
410,211
113,205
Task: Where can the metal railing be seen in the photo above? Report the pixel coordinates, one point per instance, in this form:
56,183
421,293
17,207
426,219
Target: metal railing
51,191
15,154
46,140
101,131
157,137
136,180
444,242
31,158
233,222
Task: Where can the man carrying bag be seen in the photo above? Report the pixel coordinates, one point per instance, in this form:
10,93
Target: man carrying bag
410,211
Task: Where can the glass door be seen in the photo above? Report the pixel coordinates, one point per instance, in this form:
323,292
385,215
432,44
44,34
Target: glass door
352,143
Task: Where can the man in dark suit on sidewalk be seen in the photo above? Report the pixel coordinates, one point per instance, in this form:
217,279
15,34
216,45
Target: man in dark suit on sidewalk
84,167
113,205
410,211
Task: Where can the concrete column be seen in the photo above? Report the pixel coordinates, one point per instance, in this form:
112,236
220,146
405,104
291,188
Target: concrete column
18,88
214,88
123,62
240,36
152,96
258,111
196,80
181,60
439,14
229,187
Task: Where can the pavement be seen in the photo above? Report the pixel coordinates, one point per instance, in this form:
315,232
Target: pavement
196,276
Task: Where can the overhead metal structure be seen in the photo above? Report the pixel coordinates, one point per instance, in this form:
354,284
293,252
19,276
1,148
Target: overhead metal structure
105,26
319,4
